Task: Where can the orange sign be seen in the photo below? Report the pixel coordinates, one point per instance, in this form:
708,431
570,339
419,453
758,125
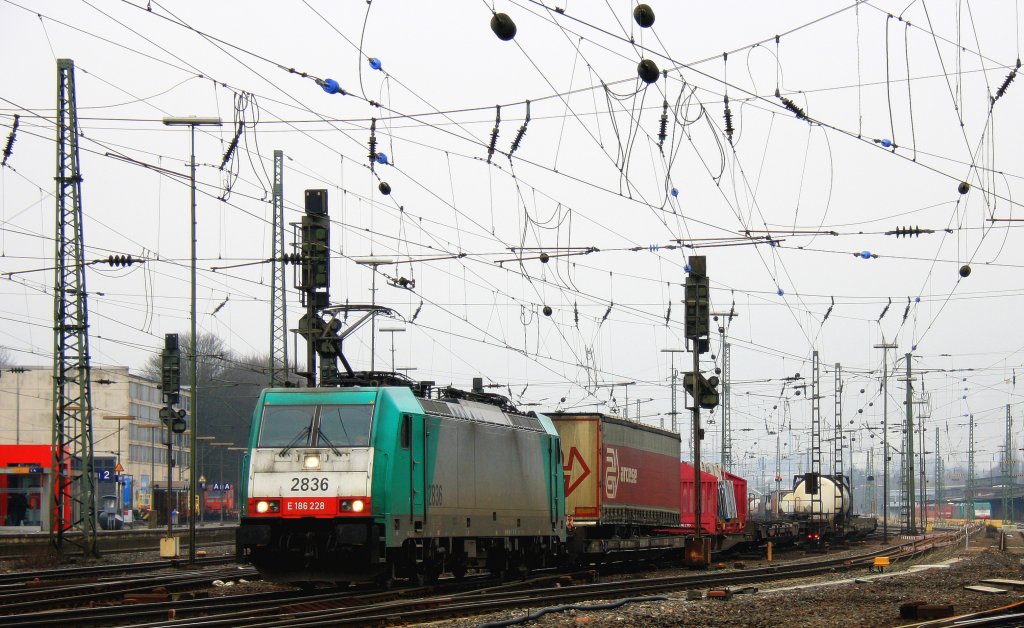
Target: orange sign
119,468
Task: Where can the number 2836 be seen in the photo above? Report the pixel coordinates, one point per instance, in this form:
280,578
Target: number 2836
309,484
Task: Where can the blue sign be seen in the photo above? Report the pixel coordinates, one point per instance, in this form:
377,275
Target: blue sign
35,469
106,475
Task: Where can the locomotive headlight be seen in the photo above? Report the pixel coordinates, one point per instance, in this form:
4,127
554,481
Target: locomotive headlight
265,506
311,461
352,505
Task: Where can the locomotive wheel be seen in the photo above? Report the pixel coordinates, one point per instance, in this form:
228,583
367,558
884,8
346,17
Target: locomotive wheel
428,573
497,563
459,567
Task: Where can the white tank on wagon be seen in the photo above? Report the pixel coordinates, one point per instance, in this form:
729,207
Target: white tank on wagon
835,499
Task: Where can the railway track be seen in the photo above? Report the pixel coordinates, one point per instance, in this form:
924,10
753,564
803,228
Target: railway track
14,580
51,598
181,596
448,599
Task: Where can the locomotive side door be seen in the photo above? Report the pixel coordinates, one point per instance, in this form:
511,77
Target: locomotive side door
414,433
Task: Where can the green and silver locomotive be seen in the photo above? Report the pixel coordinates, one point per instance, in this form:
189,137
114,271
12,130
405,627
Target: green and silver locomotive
401,481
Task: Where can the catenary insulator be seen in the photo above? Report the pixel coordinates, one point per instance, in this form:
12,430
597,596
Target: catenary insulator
503,26
648,71
644,15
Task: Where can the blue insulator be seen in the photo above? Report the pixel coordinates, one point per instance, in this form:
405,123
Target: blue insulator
913,347
675,191
773,243
687,268
382,158
886,142
374,63
917,299
331,86
865,254
781,292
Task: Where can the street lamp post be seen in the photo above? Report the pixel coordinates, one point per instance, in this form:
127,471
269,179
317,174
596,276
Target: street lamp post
374,263
117,486
675,377
237,480
202,514
192,122
392,331
221,472
884,346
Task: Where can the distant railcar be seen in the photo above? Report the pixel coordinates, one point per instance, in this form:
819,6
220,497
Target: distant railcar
219,500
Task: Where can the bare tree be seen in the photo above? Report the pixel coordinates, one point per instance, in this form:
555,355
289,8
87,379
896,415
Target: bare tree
211,358
5,358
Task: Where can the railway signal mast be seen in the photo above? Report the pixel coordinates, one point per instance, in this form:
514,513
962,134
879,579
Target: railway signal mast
704,391
324,336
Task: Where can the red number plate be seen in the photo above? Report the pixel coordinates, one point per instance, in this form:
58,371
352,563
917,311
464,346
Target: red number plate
308,507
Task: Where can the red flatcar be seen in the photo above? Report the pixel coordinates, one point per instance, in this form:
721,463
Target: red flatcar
723,498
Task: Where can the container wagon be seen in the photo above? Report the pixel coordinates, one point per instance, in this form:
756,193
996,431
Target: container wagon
621,484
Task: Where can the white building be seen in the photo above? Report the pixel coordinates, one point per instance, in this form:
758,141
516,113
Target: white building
126,427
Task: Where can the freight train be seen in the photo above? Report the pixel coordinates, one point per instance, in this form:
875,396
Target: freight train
956,510
407,480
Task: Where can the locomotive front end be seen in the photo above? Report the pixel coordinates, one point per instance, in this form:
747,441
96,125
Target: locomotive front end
308,504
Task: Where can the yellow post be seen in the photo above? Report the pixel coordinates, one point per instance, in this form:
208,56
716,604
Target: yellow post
769,551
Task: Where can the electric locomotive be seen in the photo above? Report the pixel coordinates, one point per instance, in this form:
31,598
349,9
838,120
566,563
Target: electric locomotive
375,482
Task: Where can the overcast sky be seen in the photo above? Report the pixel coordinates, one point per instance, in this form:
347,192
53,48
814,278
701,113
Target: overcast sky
850,151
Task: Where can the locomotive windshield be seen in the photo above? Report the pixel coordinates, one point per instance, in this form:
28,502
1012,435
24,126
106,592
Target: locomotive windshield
283,426
345,426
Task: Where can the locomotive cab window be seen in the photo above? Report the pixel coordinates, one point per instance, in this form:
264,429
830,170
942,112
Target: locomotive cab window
406,431
345,426
286,426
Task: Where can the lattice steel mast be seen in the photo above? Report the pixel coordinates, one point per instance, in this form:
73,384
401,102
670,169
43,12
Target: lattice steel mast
816,503
837,458
1008,468
726,410
969,509
278,301
73,498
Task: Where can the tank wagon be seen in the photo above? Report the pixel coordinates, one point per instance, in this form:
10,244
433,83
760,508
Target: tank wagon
621,484
376,482
821,505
